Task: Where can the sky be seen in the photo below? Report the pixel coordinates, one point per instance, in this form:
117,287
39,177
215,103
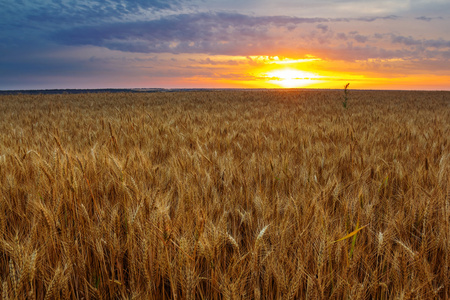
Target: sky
371,44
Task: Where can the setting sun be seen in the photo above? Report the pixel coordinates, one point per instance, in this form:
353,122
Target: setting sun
291,78
246,44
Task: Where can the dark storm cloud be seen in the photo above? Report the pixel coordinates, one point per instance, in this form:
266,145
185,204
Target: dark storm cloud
216,33
212,33
133,5
43,16
27,24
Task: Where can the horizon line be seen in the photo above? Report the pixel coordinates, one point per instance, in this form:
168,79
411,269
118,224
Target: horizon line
153,90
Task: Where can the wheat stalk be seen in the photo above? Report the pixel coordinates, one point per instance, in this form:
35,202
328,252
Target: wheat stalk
164,195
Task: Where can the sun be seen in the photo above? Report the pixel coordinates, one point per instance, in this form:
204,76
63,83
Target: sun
291,78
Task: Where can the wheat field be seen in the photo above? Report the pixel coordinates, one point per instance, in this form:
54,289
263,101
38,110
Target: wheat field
225,195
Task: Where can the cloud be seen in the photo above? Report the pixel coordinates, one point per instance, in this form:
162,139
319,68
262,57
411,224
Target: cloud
46,14
210,32
410,41
322,27
341,36
372,19
423,18
358,37
215,62
213,33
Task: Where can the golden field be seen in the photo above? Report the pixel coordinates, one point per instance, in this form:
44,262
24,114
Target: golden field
225,195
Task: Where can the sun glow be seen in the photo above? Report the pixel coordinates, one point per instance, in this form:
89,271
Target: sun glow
291,78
